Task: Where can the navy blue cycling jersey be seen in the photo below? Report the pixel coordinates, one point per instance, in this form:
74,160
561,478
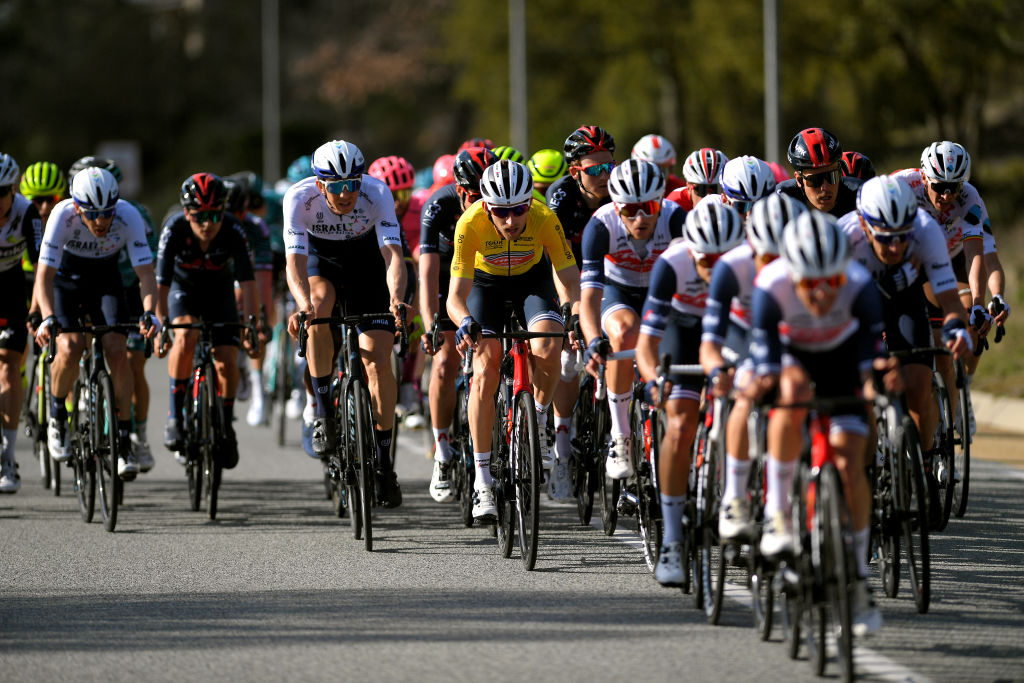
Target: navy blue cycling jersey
181,260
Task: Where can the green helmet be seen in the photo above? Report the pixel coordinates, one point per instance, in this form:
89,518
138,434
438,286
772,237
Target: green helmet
510,153
43,178
546,166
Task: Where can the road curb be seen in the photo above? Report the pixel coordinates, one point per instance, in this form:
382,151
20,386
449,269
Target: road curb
998,412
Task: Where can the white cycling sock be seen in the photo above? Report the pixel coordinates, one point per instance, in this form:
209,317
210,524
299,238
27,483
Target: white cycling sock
482,462
442,449
563,439
780,480
618,406
542,417
736,475
672,514
256,379
861,541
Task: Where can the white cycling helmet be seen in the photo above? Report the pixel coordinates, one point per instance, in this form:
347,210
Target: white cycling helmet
506,183
747,179
656,149
767,219
713,228
704,166
9,171
946,162
887,203
338,160
814,245
635,181
94,189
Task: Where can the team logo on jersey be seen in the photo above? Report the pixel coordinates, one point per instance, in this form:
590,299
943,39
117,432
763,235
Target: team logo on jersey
319,216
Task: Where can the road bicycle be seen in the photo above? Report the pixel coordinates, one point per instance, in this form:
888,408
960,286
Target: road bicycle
36,412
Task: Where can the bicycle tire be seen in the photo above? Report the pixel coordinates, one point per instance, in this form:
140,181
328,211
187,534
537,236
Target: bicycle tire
838,564
212,429
592,461
813,625
504,491
367,455
349,457
82,463
49,470
763,602
650,541
943,448
962,446
105,440
911,504
610,488
579,462
282,382
790,610
463,468
526,473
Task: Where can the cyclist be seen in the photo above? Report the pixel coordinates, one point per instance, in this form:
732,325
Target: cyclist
815,155
437,245
44,185
203,252
671,323
20,232
510,153
133,299
499,257
621,244
250,379
77,277
725,341
702,171
744,180
344,246
546,166
660,152
817,318
588,153
857,165
486,143
943,190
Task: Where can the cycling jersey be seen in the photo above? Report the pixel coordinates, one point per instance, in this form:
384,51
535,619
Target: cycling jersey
437,226
213,271
846,194
22,232
479,247
682,197
566,200
731,289
258,234
76,253
964,221
926,251
779,318
311,228
610,253
124,262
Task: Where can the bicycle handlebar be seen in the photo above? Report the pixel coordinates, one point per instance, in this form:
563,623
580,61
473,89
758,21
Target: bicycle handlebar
97,330
355,319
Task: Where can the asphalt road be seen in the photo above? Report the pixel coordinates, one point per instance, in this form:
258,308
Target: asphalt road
277,589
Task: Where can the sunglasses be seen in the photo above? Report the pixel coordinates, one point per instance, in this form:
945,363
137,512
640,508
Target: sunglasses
634,209
702,190
204,216
595,170
470,197
885,238
503,212
93,215
39,200
339,186
5,190
741,206
403,195
818,179
830,282
942,188
706,260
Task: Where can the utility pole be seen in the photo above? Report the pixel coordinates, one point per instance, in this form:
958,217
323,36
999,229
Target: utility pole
517,100
271,92
771,81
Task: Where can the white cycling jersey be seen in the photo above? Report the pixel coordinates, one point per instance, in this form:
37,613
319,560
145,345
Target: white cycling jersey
963,222
22,231
307,216
675,276
926,250
66,235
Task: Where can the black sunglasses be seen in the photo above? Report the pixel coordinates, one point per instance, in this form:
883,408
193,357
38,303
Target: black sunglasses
818,179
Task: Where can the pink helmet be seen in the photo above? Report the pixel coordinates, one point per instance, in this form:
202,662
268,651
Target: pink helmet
443,170
396,172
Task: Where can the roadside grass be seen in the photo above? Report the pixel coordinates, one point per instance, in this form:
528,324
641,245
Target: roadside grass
1001,370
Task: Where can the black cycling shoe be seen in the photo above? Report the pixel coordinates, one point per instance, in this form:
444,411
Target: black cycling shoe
389,493
228,452
325,438
172,435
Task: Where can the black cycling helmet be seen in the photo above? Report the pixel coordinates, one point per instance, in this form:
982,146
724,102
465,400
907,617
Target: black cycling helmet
469,167
587,140
857,165
253,186
813,148
236,195
95,162
203,192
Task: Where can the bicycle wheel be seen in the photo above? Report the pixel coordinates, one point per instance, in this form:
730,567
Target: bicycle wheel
911,506
501,471
526,473
813,624
763,601
838,566
650,538
282,381
943,462
610,488
463,469
210,423
367,451
961,476
38,421
791,612
82,463
105,447
349,457
579,464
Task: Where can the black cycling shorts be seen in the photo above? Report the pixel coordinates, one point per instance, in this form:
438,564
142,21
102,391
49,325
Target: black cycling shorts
531,295
13,310
101,300
682,342
356,270
210,307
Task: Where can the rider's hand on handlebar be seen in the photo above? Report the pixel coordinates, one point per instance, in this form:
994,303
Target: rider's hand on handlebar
466,335
48,327
999,309
595,354
981,321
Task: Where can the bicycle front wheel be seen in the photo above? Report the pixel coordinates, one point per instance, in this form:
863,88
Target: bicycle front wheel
106,448
366,457
504,491
349,456
282,381
961,474
210,423
910,497
838,569
526,473
462,461
944,462
82,463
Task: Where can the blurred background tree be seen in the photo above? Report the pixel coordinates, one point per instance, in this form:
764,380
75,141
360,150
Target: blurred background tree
415,77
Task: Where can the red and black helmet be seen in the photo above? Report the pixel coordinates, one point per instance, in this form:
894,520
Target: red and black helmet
587,140
203,192
814,148
476,142
857,165
469,166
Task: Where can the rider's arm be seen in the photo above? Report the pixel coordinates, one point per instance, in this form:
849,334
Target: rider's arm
162,291
396,271
655,316
867,310
147,286
43,291
765,343
458,293
296,249
724,286
430,274
595,248
976,273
